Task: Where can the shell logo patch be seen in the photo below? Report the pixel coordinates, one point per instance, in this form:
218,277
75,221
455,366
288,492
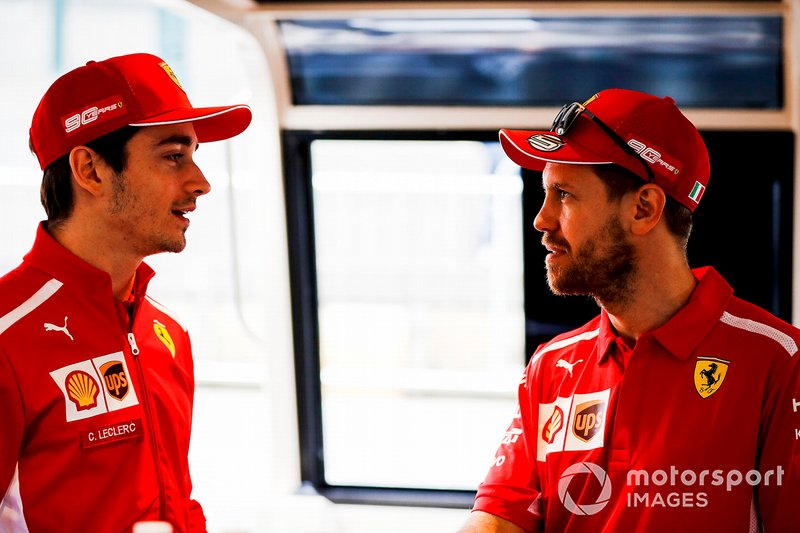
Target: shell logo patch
163,336
170,73
82,389
709,373
553,425
85,397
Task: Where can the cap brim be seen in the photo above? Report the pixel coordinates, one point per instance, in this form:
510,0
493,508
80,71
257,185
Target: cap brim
210,123
521,147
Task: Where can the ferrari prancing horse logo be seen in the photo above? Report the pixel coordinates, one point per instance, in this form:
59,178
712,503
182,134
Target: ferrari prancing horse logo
163,336
170,73
709,373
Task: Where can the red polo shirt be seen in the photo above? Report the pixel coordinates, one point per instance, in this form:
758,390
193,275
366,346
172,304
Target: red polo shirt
95,405
694,428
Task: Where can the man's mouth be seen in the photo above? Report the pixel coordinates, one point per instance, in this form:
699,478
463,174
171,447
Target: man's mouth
182,212
555,248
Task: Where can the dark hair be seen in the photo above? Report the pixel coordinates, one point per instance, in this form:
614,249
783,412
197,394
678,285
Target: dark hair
56,190
619,181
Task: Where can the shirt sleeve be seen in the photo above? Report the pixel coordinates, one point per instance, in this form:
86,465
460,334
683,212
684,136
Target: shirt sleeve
12,426
197,520
778,492
511,488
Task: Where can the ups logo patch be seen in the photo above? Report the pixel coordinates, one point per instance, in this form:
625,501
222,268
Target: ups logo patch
115,379
589,417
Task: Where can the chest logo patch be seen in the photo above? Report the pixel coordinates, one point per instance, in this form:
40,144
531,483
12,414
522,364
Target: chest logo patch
85,397
588,419
709,373
115,378
82,389
553,425
63,329
163,336
566,365
582,417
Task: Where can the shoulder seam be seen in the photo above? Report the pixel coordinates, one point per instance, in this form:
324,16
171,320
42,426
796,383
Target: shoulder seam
786,341
166,311
39,297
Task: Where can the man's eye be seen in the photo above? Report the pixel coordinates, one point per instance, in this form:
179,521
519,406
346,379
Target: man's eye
175,157
563,194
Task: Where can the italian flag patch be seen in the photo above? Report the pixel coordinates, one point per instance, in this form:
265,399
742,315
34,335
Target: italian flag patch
697,192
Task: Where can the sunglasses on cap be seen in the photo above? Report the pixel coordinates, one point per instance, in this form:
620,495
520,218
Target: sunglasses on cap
570,112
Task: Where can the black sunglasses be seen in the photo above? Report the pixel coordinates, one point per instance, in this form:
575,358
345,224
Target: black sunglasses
570,112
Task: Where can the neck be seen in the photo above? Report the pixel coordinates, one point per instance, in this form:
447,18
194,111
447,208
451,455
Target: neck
102,253
659,291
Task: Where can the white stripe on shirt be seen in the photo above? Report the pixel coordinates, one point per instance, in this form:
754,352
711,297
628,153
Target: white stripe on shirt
762,329
38,298
585,336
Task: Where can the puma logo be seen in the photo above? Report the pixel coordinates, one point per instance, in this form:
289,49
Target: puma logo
63,329
567,366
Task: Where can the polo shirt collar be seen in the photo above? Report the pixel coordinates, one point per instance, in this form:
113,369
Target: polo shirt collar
684,331
605,337
50,257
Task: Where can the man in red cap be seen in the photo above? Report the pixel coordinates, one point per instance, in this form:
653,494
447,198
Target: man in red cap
676,409
96,378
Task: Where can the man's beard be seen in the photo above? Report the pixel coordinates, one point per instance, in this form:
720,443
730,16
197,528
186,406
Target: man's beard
125,205
604,268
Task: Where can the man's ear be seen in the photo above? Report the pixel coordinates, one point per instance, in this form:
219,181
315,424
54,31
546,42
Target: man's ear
648,206
89,170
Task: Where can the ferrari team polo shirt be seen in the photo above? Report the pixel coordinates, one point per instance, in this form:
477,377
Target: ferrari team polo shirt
692,429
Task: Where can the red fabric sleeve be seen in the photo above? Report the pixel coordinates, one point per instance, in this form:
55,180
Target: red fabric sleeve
197,520
511,489
778,493
12,425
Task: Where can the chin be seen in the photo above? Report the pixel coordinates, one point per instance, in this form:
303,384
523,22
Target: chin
561,284
174,246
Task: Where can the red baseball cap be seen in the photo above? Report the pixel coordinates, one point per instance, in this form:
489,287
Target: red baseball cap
658,137
129,90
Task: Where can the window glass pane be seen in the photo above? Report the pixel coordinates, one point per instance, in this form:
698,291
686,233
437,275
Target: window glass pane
703,61
419,266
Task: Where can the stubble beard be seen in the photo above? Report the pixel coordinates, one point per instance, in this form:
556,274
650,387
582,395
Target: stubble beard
124,204
604,268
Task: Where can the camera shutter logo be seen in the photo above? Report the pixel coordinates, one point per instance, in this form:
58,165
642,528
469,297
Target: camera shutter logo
584,508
